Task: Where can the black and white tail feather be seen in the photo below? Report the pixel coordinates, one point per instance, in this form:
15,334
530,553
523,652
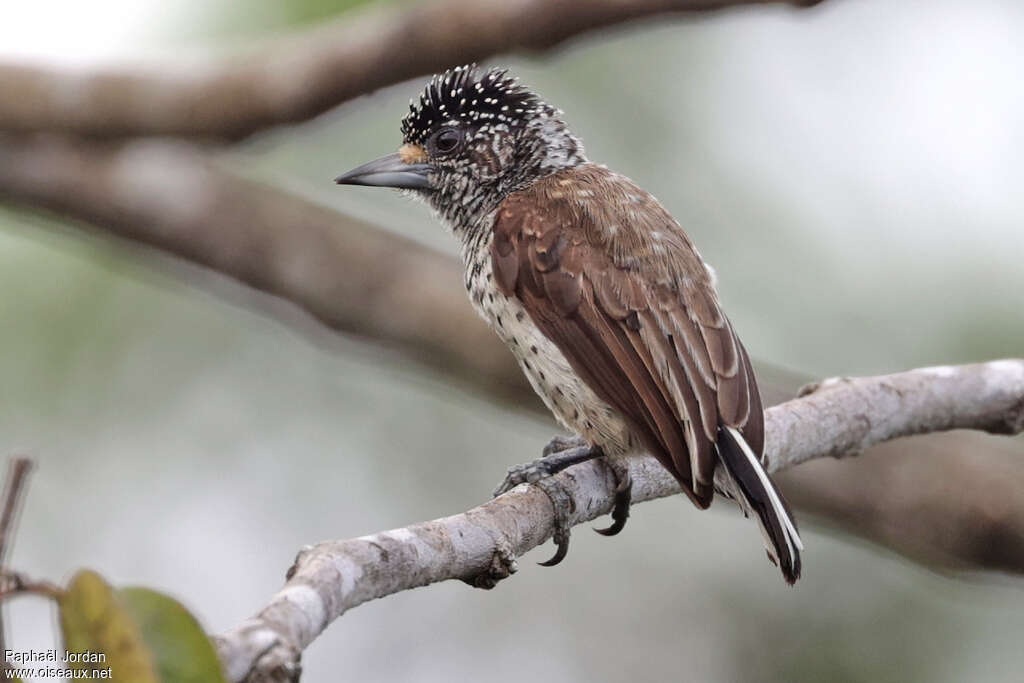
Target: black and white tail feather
754,491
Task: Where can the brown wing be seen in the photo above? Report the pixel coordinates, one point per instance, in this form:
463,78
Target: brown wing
607,274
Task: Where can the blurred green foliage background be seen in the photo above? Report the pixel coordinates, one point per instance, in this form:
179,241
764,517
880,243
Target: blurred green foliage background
852,172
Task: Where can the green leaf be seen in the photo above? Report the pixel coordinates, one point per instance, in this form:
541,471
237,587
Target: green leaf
142,636
101,634
182,650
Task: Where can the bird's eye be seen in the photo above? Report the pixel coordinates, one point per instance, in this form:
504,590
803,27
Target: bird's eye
447,140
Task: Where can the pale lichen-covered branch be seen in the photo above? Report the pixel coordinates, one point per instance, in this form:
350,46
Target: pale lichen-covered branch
480,546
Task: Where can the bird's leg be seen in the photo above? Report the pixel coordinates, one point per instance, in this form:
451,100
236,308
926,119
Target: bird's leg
546,466
539,471
623,497
563,443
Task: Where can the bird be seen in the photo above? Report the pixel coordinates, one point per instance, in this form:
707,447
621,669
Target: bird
604,300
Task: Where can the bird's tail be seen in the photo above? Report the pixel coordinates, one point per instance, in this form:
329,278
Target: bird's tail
757,493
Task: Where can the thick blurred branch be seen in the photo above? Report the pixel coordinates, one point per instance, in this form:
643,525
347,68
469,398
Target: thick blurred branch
949,501
294,79
953,510
346,273
480,546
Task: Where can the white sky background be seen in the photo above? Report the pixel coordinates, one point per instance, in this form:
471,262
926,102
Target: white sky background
923,97
73,33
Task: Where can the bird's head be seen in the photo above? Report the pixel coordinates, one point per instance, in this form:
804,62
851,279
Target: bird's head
471,139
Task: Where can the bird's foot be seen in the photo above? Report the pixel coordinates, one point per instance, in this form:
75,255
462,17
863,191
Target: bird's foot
544,467
623,497
539,472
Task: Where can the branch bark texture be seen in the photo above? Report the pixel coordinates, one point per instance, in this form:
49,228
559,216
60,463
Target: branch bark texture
296,78
480,546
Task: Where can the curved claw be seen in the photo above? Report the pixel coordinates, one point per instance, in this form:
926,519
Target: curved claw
623,497
560,553
615,527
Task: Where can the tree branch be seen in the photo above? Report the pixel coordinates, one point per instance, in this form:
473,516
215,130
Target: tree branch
292,80
480,546
15,484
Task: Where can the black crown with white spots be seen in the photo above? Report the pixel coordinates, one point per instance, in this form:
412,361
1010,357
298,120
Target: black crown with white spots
485,136
462,95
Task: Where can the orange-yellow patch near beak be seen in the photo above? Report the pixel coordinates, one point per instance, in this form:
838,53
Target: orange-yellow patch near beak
412,154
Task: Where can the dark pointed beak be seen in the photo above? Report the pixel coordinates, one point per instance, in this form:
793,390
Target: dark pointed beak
389,171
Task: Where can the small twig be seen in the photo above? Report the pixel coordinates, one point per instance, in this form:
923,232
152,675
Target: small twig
14,583
15,485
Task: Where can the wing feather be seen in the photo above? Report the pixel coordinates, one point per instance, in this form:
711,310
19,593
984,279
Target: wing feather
642,327
701,451
753,429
